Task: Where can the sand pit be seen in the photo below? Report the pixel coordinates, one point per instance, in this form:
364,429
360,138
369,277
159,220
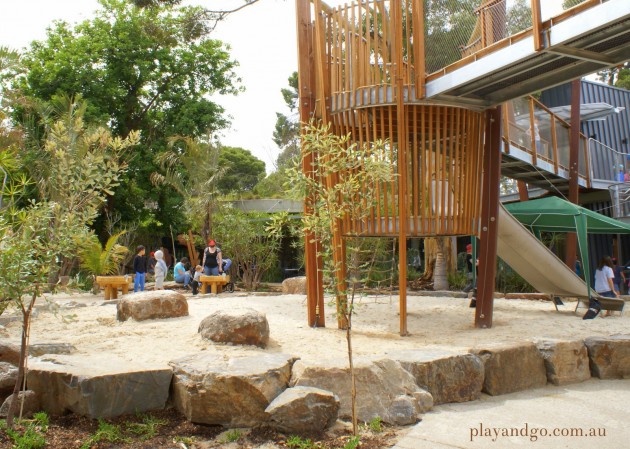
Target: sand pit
433,322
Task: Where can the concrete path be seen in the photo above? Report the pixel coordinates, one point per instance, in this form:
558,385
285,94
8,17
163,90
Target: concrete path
593,414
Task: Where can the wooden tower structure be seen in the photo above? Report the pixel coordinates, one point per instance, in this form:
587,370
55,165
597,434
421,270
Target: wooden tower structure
366,68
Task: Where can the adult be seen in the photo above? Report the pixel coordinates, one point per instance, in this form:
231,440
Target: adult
212,261
472,285
182,275
620,279
604,286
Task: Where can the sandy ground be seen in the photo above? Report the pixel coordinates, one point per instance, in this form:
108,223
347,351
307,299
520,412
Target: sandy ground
432,322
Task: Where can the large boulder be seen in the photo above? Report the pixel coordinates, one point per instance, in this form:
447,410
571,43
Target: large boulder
240,327
98,386
566,361
8,378
30,407
512,367
448,376
232,392
303,410
9,353
609,356
384,388
294,286
151,305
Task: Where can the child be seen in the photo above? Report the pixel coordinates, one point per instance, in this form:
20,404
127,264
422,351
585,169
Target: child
197,279
160,270
140,268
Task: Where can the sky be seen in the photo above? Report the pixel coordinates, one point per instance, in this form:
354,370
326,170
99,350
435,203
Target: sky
262,39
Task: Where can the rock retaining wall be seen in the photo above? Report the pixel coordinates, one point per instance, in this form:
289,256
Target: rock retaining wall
276,390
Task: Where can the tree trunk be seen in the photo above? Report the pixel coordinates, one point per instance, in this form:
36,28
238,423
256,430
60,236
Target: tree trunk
26,324
353,391
440,280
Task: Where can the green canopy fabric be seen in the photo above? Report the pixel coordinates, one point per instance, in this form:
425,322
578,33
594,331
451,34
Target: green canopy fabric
557,215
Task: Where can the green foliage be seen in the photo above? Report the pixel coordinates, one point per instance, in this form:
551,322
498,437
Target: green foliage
32,436
287,129
296,442
100,260
357,169
242,170
105,432
509,281
273,186
147,69
191,167
233,435
247,239
457,280
376,425
147,428
353,442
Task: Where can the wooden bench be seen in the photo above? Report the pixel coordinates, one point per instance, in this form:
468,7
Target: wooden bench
215,283
111,284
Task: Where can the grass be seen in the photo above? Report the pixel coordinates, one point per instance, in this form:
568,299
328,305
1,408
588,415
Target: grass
353,442
33,434
105,432
296,442
376,425
146,429
233,435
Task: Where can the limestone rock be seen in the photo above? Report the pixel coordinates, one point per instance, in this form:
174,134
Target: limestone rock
151,305
8,377
448,376
566,361
303,410
9,353
241,327
294,286
513,367
384,388
39,349
31,404
609,356
98,386
234,392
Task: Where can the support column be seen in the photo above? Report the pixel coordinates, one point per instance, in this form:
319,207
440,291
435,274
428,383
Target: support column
574,158
313,262
401,118
489,219
523,192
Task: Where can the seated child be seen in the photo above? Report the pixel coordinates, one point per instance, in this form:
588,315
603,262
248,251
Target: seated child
196,279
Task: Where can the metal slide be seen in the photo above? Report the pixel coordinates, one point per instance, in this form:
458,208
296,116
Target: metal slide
522,251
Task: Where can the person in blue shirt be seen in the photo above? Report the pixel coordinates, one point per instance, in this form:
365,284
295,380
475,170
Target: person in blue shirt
182,276
140,269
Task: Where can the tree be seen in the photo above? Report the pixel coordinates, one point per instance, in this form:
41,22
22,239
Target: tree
287,130
252,247
77,168
29,252
242,170
353,172
191,167
211,16
145,69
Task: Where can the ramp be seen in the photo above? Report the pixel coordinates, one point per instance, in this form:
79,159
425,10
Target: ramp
526,255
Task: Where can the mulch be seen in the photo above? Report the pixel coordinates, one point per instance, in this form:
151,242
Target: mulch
72,432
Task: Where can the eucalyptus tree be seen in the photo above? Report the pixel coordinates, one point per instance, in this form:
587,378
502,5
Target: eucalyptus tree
147,69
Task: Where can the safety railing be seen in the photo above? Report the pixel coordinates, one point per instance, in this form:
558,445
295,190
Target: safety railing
620,199
608,164
533,128
359,46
